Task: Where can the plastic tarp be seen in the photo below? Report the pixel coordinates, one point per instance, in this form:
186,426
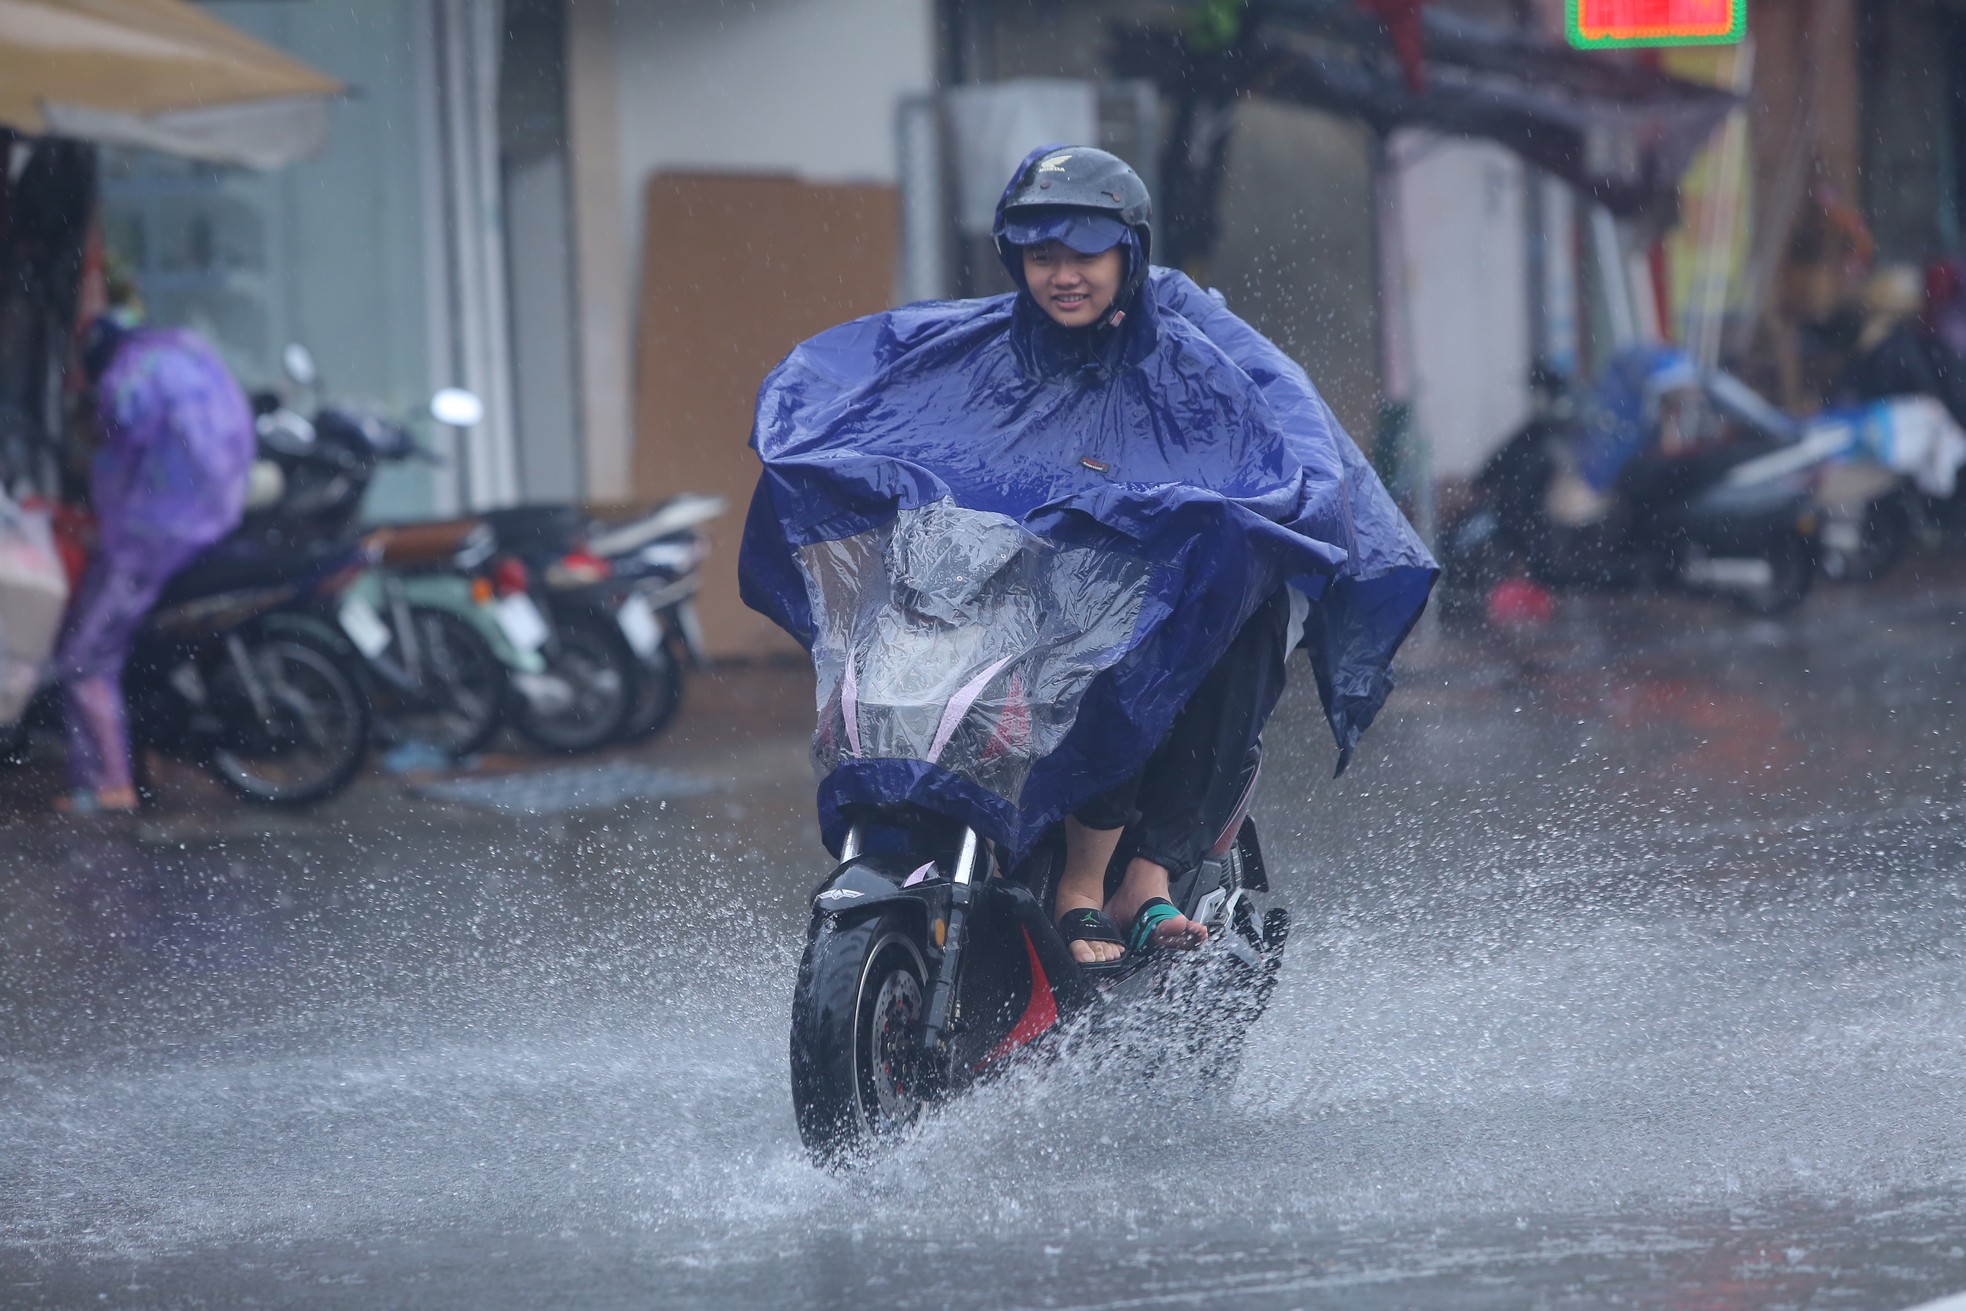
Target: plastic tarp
1622,412
162,74
1014,551
263,134
960,639
33,594
1911,435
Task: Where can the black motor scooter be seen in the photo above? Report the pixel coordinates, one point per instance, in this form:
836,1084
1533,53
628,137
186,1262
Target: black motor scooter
929,964
240,669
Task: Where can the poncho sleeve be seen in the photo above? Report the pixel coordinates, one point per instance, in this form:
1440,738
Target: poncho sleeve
1366,611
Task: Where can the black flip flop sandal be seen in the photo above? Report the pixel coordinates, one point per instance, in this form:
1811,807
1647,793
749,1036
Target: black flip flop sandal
1088,925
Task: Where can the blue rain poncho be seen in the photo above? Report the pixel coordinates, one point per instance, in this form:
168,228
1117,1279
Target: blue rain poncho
1622,415
1014,549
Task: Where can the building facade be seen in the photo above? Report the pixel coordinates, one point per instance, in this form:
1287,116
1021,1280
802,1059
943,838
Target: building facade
477,217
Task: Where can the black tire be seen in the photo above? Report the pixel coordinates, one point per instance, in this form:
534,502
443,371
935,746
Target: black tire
317,734
857,1072
660,697
1792,559
604,678
464,702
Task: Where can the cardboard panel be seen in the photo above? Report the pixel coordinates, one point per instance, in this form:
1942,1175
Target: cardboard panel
736,270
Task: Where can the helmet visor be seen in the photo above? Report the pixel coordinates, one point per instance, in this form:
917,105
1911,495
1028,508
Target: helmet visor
1086,231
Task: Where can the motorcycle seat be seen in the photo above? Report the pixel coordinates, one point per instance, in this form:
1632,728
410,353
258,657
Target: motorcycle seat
239,563
538,530
435,542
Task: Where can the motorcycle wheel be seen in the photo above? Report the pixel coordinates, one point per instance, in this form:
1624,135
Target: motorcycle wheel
316,735
600,672
1883,538
858,1073
464,702
1792,561
660,697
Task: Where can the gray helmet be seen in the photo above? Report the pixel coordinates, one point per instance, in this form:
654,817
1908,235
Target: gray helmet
1086,197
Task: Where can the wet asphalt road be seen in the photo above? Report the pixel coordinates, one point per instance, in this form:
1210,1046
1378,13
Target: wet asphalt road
1627,973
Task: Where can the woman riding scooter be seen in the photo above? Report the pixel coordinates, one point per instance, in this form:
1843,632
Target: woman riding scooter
1104,399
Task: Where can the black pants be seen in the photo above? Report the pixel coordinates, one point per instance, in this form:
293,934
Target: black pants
1175,807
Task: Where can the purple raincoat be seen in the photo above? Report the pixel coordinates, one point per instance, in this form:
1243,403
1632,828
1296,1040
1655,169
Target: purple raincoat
177,446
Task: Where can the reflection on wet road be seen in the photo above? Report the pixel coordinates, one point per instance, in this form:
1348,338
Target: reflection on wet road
1627,973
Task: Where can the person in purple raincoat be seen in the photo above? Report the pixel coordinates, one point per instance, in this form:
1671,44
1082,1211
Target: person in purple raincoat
168,479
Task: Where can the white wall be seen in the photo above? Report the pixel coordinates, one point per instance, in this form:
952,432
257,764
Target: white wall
807,87
1463,222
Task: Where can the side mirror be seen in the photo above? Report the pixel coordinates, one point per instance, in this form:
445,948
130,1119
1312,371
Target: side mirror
298,362
457,408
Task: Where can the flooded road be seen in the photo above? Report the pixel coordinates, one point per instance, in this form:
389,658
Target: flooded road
1627,973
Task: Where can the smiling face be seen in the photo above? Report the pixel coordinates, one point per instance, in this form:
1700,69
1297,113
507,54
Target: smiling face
1074,289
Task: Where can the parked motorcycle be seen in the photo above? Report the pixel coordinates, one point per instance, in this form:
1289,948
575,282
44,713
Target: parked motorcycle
932,959
241,669
1734,516
579,631
441,650
620,599
658,557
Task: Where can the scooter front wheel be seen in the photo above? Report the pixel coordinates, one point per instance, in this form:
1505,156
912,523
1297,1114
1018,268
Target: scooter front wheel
858,1070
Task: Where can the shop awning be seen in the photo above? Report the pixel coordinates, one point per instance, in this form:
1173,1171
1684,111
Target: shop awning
157,73
1618,131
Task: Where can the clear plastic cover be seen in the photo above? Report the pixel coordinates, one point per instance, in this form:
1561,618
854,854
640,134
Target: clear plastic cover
959,637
